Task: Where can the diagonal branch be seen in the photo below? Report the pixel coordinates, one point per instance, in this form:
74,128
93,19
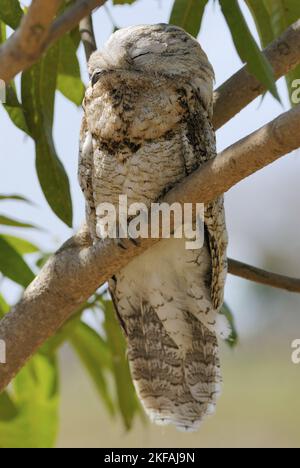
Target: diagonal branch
38,31
26,45
73,274
242,88
257,275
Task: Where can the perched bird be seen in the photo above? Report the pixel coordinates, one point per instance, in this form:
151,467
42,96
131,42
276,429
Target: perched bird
147,125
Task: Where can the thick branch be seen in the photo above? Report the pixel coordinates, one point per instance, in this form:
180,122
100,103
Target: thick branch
242,88
260,276
38,31
73,274
27,43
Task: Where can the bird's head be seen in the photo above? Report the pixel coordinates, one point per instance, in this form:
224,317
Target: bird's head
140,68
161,48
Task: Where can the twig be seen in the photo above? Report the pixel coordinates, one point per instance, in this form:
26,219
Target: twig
260,276
86,30
72,275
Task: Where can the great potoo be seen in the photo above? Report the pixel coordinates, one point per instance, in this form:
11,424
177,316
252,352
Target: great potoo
147,125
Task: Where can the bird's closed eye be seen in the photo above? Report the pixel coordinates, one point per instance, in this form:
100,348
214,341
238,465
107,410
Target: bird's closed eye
141,55
96,77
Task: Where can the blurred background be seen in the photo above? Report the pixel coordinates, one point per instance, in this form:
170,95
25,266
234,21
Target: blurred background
260,402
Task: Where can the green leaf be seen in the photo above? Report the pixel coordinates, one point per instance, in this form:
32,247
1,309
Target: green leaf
22,246
15,109
123,2
4,307
246,46
11,12
62,335
43,259
69,81
32,419
38,96
8,409
6,221
126,394
95,356
13,197
13,266
282,14
2,32
262,20
233,338
188,15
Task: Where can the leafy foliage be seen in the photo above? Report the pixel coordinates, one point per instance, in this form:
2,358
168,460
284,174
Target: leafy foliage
123,2
233,339
11,12
246,46
127,401
188,15
38,95
272,18
29,412
12,264
69,78
29,408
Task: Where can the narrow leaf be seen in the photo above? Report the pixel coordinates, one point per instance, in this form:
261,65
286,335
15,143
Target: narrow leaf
233,338
14,109
95,356
8,409
188,15
282,14
125,390
123,2
2,32
13,197
246,46
4,307
69,78
34,397
38,96
6,221
11,12
13,266
262,20
22,246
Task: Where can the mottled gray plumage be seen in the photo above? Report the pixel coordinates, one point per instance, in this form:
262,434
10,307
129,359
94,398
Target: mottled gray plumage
147,125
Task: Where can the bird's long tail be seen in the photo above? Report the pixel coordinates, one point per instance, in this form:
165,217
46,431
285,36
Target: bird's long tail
175,386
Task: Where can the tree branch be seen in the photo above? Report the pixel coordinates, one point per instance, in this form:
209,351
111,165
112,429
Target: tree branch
38,31
27,43
260,276
72,17
86,30
73,274
242,88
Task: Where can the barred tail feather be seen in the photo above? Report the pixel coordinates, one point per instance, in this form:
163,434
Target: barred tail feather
174,387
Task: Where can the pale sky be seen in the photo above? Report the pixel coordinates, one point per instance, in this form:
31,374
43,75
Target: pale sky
262,211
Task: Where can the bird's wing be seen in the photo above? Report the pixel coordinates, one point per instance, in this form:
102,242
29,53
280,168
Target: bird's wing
201,142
